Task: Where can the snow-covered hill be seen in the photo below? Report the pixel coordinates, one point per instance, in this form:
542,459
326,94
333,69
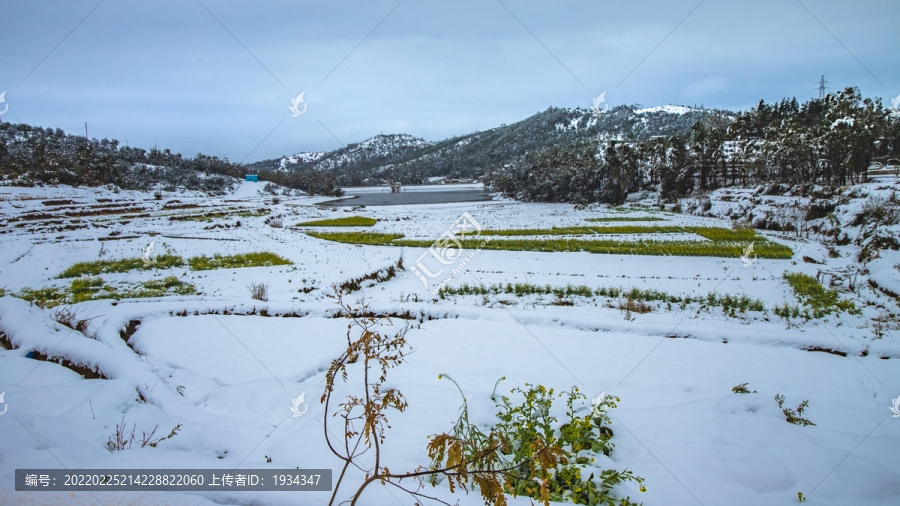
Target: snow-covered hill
413,160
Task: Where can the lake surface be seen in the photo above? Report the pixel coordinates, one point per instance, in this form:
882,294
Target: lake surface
411,195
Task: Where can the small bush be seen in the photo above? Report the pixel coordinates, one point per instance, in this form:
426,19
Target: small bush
794,416
259,291
741,225
121,439
742,389
531,424
877,211
635,307
65,315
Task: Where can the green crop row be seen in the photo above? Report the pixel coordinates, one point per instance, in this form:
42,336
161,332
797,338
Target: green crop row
726,244
370,238
625,218
727,302
96,267
349,221
122,265
258,259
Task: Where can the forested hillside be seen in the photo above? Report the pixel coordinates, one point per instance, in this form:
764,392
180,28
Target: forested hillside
412,160
32,156
830,141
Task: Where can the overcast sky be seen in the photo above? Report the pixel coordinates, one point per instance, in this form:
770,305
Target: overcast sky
218,76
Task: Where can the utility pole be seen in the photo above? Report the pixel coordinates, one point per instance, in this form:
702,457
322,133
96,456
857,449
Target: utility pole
822,87
85,131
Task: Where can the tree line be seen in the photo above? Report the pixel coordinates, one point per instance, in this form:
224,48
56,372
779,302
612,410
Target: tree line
830,141
31,155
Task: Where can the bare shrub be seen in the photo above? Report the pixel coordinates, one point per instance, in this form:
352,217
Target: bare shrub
635,306
259,291
121,439
741,225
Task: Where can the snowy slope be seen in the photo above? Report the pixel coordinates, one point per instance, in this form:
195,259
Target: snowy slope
215,364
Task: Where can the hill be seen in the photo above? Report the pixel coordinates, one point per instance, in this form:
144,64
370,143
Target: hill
412,160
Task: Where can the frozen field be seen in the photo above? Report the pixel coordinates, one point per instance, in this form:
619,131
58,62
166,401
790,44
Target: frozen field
226,366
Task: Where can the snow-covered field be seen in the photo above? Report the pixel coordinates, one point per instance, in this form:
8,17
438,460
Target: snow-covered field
228,373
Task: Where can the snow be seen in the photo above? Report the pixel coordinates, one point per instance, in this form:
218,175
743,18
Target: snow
307,157
228,374
842,121
670,109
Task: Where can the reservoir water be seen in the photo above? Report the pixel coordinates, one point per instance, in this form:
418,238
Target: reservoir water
410,195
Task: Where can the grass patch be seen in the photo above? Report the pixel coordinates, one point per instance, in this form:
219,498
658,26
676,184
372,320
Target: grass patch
624,218
164,286
123,265
210,216
370,238
349,221
728,303
94,288
258,259
43,297
819,301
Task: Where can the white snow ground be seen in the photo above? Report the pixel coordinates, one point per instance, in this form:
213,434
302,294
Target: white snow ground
229,378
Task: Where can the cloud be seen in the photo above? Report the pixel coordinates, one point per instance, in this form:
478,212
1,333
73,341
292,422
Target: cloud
705,87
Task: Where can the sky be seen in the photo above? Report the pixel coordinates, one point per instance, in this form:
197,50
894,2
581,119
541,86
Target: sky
219,76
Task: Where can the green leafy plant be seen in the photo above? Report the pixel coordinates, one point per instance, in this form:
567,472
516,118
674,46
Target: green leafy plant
522,454
742,389
812,294
794,416
467,455
531,424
